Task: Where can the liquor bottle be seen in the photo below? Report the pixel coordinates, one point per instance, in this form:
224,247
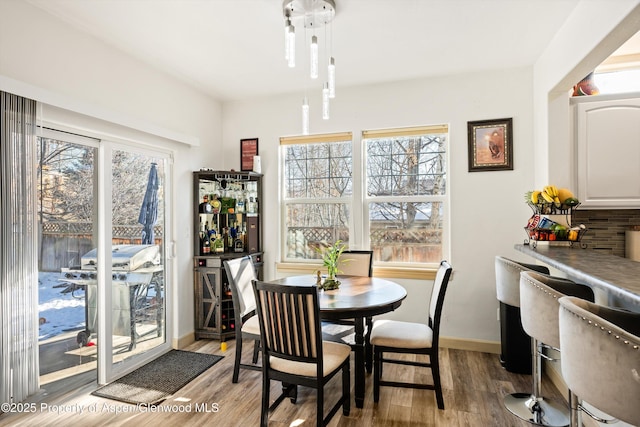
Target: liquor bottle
204,207
240,202
238,243
215,204
231,237
206,244
251,205
224,238
218,246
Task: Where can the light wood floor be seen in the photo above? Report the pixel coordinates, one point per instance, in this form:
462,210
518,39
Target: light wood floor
474,384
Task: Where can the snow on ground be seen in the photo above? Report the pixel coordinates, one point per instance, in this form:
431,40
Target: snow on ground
61,312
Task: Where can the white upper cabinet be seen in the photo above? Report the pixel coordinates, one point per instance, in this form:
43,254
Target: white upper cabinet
608,151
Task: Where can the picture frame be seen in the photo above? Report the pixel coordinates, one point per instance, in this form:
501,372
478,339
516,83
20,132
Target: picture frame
490,145
248,149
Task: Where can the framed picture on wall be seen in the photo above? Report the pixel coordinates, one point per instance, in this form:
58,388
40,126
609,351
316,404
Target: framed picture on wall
490,145
248,149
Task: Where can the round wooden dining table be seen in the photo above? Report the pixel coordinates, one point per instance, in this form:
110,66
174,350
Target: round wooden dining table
357,298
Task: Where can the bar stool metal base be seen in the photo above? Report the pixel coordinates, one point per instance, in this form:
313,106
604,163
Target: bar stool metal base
537,411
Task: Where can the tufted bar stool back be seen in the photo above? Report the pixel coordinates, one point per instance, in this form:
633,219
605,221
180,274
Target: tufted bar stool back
515,354
539,295
601,358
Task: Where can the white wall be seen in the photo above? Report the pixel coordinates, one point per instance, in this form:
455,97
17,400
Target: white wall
488,212
47,60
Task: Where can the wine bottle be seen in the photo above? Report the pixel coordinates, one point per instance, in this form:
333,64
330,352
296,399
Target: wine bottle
206,244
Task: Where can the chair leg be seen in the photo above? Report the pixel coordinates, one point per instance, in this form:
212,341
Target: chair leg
377,373
320,406
256,351
236,363
368,348
346,389
435,371
264,412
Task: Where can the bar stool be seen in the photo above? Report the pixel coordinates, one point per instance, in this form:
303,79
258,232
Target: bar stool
515,353
539,294
601,359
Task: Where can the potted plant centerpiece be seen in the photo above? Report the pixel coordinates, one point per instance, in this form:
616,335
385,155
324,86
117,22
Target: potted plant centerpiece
330,257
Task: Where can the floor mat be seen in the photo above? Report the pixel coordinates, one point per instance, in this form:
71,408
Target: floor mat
158,379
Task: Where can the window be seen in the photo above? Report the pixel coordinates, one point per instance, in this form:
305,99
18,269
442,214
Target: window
317,193
620,81
406,188
396,204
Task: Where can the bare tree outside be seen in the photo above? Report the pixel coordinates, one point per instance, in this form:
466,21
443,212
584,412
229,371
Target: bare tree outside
67,201
403,176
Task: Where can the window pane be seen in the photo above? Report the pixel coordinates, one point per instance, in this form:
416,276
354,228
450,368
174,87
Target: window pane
406,166
321,170
313,225
406,232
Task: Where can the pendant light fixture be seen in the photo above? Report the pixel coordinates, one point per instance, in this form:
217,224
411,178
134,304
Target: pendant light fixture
312,15
290,43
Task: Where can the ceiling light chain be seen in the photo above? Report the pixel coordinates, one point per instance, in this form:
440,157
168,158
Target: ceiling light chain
313,14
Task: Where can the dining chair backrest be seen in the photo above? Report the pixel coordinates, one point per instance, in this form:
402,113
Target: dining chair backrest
241,273
438,292
356,263
289,323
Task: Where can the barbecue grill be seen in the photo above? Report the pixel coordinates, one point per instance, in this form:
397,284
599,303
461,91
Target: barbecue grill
137,291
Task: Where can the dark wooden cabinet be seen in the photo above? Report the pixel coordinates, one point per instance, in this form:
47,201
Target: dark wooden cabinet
234,220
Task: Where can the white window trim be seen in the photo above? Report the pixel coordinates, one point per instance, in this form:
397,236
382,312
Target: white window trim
359,201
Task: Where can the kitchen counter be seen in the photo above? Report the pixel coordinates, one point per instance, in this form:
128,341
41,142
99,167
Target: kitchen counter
618,277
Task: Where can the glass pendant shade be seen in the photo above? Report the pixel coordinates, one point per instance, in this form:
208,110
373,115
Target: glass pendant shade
290,33
314,57
331,71
325,102
305,116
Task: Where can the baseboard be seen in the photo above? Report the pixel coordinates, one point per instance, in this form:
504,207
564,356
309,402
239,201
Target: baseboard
470,345
183,341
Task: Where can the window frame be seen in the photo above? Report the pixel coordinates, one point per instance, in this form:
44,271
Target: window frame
423,198
359,201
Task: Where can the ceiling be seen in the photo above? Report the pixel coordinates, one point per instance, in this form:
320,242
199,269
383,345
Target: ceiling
234,49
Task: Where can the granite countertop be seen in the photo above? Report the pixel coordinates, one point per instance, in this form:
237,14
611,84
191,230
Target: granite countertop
616,275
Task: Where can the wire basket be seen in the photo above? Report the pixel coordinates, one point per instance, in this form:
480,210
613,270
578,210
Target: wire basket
547,208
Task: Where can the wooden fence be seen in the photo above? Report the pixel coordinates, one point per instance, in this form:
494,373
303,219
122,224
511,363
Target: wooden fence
62,244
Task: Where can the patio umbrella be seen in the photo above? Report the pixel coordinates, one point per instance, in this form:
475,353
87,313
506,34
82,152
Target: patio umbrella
149,209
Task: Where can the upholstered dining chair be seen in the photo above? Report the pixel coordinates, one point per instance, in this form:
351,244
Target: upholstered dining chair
515,350
241,273
293,351
351,263
539,295
600,359
356,263
392,336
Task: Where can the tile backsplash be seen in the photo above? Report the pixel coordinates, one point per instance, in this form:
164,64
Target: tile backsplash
605,228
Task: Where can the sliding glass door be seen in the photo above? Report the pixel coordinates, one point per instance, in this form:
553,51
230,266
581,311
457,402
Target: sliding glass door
102,290
138,249
67,223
